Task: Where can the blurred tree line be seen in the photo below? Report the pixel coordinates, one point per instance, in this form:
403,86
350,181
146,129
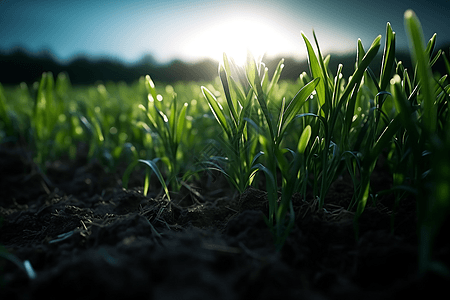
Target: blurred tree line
22,66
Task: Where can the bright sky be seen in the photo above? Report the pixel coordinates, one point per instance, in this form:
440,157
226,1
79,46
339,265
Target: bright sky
195,29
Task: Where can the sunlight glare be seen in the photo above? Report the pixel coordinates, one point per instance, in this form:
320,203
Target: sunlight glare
236,36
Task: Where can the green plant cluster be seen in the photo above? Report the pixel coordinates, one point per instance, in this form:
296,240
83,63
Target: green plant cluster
294,137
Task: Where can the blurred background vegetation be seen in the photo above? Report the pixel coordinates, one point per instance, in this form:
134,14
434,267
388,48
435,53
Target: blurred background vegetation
20,65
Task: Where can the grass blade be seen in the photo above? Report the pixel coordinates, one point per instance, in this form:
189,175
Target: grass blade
276,77
150,86
359,72
255,82
155,169
271,191
446,62
323,65
217,110
350,110
360,52
421,59
316,71
304,139
430,45
231,103
181,124
388,58
296,103
172,124
404,108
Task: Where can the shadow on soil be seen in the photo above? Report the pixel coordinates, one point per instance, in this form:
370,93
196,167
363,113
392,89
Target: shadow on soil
87,238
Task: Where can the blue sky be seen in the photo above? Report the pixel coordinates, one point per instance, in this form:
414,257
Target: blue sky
194,29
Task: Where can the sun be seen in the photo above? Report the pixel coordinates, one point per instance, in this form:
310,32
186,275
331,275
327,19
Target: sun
235,36
239,36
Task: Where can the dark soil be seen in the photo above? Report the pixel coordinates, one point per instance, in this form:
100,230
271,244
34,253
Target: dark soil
87,238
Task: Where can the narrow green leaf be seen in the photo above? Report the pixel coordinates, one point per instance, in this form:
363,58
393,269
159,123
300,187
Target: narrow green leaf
237,93
173,117
217,110
369,163
271,190
350,110
400,68
152,112
304,139
234,74
280,117
435,58
363,201
181,124
407,85
404,108
282,162
359,72
326,78
360,52
383,141
316,71
230,102
326,63
387,65
150,87
447,64
276,77
243,116
255,158
296,103
265,82
98,129
252,71
421,59
226,64
255,82
162,123
431,44
155,169
237,73
337,85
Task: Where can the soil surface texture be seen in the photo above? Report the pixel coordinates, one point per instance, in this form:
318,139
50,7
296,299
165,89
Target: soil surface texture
86,237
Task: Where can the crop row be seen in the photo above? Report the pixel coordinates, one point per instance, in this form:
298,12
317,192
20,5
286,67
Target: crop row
297,136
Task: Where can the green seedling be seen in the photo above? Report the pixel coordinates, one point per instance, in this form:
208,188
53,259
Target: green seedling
419,116
271,137
333,99
239,142
169,129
